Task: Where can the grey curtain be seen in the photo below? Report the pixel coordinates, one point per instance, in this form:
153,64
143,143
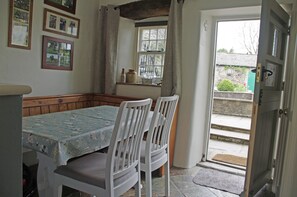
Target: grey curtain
171,83
106,54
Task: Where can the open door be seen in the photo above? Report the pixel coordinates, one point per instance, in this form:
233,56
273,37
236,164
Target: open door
268,91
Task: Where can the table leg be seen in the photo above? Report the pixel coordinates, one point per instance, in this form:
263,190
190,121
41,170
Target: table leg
45,175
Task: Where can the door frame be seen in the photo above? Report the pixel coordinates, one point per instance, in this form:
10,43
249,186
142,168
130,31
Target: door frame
214,23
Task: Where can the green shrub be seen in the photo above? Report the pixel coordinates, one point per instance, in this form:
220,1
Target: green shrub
226,85
239,88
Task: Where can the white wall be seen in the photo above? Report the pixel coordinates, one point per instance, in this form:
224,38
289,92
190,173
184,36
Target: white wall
126,45
18,66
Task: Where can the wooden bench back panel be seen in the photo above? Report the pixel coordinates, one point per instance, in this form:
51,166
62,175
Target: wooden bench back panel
103,99
43,105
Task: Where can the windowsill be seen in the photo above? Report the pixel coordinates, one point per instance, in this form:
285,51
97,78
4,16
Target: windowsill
138,84
138,90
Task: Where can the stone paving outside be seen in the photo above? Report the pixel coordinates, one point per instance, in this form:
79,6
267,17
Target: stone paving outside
232,121
216,147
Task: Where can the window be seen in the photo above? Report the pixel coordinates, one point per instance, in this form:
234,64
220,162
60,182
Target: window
151,52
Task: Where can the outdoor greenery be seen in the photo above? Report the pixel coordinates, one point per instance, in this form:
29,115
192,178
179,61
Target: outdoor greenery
239,88
226,85
223,50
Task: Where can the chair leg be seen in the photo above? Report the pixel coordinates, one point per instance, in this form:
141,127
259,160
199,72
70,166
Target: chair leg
138,187
58,190
148,182
167,178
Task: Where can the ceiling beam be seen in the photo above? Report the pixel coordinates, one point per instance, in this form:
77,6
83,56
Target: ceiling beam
143,9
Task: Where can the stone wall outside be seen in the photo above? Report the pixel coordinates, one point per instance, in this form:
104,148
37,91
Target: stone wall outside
232,103
238,75
233,95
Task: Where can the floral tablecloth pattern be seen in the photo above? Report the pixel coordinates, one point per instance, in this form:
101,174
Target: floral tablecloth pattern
65,135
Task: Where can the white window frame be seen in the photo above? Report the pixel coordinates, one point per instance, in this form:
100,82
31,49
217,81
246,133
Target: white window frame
155,78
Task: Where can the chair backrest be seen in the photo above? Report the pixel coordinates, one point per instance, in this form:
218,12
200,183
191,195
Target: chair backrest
160,126
123,153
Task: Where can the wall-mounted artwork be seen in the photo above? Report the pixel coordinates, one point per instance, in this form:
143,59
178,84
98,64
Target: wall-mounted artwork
20,24
60,23
66,5
57,54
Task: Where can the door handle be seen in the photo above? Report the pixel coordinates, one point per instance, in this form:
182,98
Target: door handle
264,70
269,72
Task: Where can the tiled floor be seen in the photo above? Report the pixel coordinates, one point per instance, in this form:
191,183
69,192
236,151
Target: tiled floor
182,185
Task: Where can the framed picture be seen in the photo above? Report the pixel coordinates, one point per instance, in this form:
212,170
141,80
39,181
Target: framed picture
57,54
20,24
60,23
66,5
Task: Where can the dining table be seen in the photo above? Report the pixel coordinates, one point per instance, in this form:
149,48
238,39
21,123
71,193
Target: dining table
61,136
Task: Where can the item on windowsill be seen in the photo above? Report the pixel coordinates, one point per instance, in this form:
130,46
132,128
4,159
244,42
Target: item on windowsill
123,76
131,76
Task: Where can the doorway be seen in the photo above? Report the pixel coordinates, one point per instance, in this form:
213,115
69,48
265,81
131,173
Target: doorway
236,50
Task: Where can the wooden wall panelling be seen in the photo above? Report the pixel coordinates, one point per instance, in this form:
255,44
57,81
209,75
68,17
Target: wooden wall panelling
103,99
42,105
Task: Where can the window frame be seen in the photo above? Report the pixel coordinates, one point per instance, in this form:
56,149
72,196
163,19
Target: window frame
151,26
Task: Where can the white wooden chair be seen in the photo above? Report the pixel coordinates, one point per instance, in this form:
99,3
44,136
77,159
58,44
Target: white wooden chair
155,150
114,173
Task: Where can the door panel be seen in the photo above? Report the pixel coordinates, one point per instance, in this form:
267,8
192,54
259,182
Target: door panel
268,92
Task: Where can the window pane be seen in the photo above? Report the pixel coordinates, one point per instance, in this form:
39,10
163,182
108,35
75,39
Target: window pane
275,42
151,60
158,60
158,71
145,34
153,35
142,59
144,46
162,34
161,45
153,46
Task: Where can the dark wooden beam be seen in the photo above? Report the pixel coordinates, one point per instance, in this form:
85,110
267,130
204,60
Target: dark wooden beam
139,10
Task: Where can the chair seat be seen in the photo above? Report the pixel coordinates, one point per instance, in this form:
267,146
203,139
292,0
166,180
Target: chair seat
91,169
155,156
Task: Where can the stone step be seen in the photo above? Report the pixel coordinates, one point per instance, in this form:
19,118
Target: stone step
229,136
230,128
231,121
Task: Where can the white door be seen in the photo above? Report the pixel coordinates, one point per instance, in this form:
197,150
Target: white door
268,89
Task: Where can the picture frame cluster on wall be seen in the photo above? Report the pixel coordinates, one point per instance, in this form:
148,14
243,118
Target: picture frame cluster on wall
60,23
66,5
57,53
20,24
